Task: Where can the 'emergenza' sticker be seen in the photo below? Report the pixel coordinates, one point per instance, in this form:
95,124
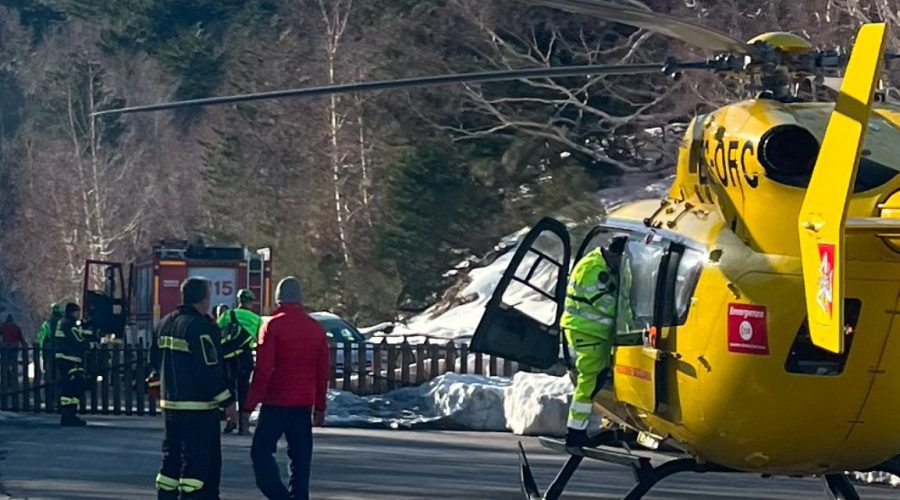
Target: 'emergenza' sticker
747,329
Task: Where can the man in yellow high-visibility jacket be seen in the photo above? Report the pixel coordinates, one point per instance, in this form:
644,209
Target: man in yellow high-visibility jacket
589,322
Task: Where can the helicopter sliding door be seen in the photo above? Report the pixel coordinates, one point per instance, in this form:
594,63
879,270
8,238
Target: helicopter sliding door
643,286
521,320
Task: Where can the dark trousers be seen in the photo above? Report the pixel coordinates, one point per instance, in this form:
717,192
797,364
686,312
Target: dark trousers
295,424
192,456
238,371
71,386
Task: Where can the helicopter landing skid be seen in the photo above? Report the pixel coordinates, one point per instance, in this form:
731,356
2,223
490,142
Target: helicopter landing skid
645,473
840,488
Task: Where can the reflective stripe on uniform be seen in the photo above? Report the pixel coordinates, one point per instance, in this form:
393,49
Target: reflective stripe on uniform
196,405
74,359
578,423
581,407
233,354
210,353
166,483
587,291
173,344
188,485
603,320
188,405
76,370
222,396
67,401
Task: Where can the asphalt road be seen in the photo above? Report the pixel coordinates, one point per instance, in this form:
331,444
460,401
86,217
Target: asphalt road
118,457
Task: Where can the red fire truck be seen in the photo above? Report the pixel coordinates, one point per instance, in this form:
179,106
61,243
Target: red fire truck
129,310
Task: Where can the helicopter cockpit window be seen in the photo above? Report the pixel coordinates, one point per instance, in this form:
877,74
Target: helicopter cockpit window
689,268
539,271
639,275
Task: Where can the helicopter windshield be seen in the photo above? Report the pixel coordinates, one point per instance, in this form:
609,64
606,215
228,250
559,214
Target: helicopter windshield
689,268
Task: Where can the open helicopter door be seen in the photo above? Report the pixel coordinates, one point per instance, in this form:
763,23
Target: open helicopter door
521,320
823,216
105,298
644,287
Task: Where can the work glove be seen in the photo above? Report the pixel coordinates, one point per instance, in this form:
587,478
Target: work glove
153,386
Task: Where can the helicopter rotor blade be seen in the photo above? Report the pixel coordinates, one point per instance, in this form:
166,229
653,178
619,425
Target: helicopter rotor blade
428,81
693,34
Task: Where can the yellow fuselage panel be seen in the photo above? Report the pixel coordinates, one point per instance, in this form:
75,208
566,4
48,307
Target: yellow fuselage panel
745,410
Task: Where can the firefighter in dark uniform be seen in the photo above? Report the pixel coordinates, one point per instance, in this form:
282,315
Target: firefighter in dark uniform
69,344
187,359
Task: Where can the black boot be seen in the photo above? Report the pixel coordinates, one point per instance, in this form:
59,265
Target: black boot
70,419
577,438
166,495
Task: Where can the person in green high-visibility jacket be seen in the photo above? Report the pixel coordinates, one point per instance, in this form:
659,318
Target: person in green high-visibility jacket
45,344
240,328
589,323
49,326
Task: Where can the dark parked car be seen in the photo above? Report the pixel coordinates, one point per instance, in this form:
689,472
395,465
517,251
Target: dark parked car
341,332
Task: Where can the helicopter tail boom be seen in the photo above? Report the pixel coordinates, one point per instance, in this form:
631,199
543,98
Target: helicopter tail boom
823,217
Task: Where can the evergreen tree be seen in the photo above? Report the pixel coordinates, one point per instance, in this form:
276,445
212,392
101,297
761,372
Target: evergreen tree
434,205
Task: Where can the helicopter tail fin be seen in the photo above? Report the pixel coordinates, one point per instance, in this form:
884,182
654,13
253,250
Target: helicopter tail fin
823,216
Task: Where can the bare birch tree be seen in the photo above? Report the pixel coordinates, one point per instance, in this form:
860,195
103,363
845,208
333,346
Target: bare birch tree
335,15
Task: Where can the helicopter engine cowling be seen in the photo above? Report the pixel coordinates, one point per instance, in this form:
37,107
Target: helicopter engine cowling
788,154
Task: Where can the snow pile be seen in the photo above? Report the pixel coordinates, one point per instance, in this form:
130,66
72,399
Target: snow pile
877,478
470,401
449,402
530,404
538,404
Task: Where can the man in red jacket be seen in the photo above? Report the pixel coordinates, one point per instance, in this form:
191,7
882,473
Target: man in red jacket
291,382
12,334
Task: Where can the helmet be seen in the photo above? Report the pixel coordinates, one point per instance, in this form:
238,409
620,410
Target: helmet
55,309
221,309
245,296
612,253
616,245
72,309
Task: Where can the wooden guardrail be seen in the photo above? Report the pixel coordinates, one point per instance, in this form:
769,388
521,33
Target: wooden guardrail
115,381
116,375
375,368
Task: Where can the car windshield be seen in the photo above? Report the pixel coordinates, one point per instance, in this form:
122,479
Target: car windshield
339,331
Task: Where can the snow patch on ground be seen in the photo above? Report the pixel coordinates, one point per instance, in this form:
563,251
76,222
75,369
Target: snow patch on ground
449,402
877,478
530,404
537,404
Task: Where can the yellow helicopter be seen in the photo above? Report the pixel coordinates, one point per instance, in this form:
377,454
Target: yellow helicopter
759,302
759,308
